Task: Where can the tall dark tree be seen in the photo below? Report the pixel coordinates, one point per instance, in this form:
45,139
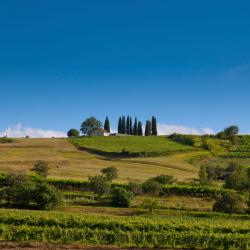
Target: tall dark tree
154,126
130,126
123,125
107,125
120,126
148,128
140,131
135,129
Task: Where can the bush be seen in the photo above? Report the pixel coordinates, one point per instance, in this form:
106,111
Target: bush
150,204
6,140
237,178
31,192
110,173
99,185
229,203
164,179
73,133
121,197
41,168
135,187
184,139
151,187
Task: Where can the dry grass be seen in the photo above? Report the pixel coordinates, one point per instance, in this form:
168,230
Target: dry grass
65,161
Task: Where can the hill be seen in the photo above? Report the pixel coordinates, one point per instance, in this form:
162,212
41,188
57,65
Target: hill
66,161
130,145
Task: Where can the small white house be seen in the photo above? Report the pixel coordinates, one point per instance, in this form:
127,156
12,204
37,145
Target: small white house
100,132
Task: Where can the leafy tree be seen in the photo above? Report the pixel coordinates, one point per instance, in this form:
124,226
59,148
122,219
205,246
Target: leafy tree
121,197
135,128
151,187
32,192
229,203
164,179
99,185
73,133
107,125
203,177
150,204
46,196
140,131
130,126
41,168
148,128
89,125
110,173
237,178
231,131
154,126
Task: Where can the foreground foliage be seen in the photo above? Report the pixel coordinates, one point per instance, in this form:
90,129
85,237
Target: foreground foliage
169,231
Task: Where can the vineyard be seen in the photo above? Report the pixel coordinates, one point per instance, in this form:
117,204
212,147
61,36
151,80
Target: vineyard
138,231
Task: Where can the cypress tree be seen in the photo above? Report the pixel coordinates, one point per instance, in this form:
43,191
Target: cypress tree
107,125
120,126
123,125
130,126
154,126
148,128
135,129
140,132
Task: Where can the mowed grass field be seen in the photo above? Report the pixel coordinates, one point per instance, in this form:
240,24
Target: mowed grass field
159,145
66,161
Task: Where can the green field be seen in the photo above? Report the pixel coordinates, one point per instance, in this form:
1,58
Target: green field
175,230
153,145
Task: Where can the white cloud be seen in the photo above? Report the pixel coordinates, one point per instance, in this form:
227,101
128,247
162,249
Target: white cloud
19,130
166,129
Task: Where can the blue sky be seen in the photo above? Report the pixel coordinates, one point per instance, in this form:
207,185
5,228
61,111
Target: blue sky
186,62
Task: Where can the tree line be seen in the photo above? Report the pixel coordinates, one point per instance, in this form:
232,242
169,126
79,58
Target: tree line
126,126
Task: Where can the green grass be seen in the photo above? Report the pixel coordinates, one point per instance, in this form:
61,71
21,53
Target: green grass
159,145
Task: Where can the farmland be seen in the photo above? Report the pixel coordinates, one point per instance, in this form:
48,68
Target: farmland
139,231
182,215
66,161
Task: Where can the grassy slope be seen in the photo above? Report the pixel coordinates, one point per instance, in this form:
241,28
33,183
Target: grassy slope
132,144
65,161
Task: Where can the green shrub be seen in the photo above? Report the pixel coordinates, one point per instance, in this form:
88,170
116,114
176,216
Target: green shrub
31,192
110,173
6,140
135,187
229,203
73,133
184,139
99,185
121,197
164,179
150,204
41,168
151,187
